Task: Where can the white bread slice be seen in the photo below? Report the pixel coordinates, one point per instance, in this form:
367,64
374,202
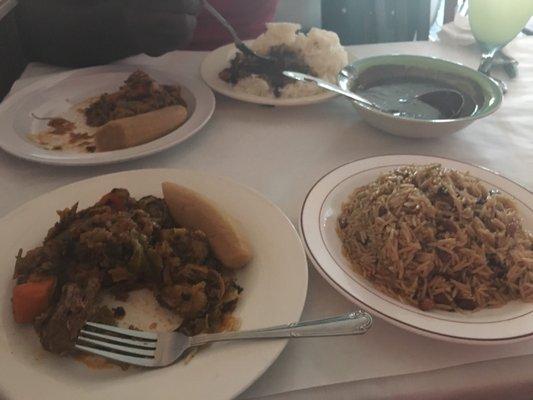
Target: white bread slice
142,128
192,210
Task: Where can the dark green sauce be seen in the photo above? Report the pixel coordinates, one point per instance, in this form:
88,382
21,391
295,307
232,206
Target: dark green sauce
394,88
400,99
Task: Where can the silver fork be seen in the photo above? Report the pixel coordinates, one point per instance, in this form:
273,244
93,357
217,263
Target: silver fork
159,349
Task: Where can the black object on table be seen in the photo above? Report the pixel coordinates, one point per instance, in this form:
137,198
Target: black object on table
376,21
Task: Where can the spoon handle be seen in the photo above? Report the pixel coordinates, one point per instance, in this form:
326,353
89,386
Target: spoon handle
238,42
213,11
354,323
328,86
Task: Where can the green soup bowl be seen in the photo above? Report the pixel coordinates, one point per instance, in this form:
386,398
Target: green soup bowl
482,94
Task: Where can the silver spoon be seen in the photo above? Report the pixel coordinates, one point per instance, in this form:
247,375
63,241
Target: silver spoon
238,42
449,102
328,86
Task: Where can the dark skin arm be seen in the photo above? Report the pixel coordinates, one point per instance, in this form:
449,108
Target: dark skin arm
78,33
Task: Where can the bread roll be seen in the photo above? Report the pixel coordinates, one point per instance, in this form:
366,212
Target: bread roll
139,129
192,210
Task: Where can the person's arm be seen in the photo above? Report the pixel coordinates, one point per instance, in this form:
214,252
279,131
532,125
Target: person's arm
89,32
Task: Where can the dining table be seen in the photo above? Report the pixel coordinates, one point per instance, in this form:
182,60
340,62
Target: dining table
281,152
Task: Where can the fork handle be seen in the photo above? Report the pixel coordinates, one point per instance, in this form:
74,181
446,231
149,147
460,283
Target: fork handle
354,323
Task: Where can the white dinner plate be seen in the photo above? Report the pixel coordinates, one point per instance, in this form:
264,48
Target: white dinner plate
275,285
220,58
56,93
322,206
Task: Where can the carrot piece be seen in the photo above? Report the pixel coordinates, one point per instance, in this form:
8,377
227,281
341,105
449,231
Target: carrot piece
31,299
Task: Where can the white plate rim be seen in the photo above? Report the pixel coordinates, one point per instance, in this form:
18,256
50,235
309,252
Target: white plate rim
195,122
277,346
212,64
331,271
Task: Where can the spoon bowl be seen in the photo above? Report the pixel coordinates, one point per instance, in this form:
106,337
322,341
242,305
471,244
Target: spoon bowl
449,102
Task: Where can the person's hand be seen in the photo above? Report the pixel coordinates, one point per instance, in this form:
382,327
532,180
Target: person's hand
158,26
79,33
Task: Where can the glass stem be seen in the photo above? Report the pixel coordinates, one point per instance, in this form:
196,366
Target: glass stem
487,58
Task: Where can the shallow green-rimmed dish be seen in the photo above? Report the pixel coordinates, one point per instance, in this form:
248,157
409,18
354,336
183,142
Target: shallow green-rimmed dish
482,89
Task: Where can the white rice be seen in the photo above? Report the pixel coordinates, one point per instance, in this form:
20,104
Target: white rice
321,50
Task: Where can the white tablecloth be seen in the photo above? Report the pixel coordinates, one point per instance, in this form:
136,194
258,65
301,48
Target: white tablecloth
281,152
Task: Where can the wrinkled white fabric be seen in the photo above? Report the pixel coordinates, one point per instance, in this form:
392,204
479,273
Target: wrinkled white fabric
281,152
457,32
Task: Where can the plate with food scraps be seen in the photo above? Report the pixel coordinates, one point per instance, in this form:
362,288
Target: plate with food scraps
318,52
103,115
439,247
120,256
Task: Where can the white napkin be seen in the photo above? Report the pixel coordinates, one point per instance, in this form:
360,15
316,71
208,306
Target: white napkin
489,380
457,32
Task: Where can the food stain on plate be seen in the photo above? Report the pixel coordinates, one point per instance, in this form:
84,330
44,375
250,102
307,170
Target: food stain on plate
140,311
140,111
93,361
143,312
68,132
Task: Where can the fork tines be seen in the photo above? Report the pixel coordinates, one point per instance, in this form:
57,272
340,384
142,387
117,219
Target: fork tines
125,345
